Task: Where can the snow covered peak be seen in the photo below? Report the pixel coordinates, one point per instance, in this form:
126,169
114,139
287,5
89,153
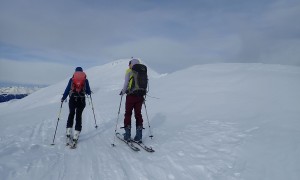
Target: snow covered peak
18,90
117,67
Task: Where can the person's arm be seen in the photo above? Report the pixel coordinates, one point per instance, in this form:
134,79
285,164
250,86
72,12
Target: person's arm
126,82
87,87
67,90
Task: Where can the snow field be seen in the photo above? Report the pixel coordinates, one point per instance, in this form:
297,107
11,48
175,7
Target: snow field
212,122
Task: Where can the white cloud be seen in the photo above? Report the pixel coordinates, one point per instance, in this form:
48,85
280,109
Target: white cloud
169,36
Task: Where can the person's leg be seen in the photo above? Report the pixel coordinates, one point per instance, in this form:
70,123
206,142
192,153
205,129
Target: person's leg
139,118
80,105
71,113
138,103
129,105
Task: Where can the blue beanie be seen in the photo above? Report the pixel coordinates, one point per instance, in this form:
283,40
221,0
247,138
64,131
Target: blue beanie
79,69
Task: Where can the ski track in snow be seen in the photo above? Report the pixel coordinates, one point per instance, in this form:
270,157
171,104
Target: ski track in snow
210,157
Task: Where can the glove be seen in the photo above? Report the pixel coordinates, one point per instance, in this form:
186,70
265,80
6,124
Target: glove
62,100
123,92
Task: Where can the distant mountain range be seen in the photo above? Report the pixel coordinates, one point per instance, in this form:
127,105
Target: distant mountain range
15,92
18,90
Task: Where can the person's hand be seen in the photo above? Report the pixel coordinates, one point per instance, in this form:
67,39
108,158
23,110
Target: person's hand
121,93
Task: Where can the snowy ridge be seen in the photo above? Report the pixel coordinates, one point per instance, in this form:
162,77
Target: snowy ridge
212,122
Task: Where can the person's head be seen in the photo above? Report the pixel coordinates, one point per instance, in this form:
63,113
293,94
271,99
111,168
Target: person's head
133,62
79,69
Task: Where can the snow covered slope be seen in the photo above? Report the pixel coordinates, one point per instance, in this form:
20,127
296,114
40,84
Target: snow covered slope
221,121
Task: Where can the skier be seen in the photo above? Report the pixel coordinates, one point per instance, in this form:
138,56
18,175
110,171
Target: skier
133,101
77,87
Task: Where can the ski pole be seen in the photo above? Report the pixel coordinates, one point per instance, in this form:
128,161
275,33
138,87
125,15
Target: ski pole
151,136
88,100
93,112
113,144
57,123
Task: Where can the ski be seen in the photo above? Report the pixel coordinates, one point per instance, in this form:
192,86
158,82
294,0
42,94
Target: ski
142,145
130,144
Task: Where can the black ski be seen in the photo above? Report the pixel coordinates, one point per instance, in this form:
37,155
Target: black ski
142,145
130,144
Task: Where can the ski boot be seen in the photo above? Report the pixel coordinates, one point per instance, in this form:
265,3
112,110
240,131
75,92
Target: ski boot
138,136
75,139
127,134
68,134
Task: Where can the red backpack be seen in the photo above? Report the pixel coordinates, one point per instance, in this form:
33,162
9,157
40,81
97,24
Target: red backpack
78,82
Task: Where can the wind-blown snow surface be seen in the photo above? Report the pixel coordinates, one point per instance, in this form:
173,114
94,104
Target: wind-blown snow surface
220,122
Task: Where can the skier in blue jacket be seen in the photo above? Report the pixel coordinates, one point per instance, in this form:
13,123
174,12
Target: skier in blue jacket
77,88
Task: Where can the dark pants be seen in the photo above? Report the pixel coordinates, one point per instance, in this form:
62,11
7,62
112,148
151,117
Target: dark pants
76,105
133,102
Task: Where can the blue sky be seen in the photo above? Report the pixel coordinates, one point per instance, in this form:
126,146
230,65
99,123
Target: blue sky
168,35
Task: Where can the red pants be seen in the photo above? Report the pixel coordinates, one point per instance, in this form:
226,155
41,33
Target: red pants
133,102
